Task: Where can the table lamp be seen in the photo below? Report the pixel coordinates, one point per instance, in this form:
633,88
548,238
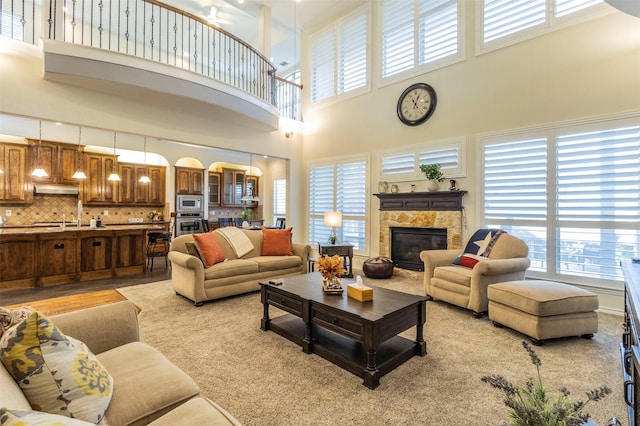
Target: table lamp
333,219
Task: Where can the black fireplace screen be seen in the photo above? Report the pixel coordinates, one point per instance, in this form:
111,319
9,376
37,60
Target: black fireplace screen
407,243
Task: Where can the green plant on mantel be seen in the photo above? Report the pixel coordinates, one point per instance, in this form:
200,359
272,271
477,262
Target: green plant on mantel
245,213
432,172
532,405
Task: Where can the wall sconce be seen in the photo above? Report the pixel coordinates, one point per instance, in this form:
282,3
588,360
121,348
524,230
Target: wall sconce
333,219
79,174
39,171
114,177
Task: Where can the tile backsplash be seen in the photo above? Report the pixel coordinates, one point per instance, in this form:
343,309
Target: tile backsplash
50,208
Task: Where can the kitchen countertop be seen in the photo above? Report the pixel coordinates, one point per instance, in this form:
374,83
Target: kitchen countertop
18,230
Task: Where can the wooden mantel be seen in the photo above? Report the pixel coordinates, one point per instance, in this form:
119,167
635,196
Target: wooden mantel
438,200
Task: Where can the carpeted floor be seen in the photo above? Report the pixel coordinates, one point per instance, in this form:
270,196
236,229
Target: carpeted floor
263,379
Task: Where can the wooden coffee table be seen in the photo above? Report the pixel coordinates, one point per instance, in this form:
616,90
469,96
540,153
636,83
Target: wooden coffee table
361,337
75,302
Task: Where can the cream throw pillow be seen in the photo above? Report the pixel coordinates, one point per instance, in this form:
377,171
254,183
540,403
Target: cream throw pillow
57,374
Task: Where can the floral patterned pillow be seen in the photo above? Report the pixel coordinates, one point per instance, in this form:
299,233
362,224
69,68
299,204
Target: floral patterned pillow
9,417
57,374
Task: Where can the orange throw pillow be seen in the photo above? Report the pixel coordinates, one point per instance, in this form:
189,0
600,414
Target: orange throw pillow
276,242
209,248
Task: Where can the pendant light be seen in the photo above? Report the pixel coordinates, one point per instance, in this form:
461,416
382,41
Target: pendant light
144,178
39,171
114,177
79,174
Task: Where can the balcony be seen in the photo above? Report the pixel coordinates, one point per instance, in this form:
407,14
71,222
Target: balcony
139,48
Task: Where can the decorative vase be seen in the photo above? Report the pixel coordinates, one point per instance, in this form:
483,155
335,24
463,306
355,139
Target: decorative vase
394,189
245,224
433,185
382,187
332,285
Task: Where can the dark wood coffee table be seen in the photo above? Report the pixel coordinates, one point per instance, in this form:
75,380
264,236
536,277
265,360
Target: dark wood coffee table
361,337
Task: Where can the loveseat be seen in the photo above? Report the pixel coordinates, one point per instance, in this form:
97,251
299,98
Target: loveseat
147,388
233,274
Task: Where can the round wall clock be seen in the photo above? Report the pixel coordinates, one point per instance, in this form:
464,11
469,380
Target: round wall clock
416,104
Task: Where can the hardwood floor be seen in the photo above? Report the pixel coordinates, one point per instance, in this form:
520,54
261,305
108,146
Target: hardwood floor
25,295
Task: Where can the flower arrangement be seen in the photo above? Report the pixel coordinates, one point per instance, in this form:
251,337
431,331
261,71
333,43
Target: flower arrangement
331,268
531,405
153,214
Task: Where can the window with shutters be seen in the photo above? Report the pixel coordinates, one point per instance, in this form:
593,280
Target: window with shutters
279,199
340,57
505,22
571,192
398,165
339,186
420,34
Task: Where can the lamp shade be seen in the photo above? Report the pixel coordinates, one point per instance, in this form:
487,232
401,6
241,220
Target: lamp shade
332,218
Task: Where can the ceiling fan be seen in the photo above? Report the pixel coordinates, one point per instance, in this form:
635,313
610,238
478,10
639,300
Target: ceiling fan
214,17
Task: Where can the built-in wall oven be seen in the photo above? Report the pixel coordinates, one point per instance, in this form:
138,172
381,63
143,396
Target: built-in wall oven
189,214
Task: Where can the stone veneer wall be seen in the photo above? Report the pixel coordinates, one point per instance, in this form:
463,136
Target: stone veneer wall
451,220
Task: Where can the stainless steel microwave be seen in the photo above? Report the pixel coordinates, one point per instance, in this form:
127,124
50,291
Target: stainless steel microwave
190,203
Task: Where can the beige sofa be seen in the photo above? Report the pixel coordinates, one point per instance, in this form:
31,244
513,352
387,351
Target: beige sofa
235,275
467,287
147,387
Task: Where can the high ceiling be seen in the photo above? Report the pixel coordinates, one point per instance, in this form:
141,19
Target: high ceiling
241,18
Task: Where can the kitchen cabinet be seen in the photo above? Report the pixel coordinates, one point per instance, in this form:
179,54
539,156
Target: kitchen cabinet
15,181
57,258
96,189
129,254
95,259
189,181
251,189
232,187
214,188
132,191
59,160
17,261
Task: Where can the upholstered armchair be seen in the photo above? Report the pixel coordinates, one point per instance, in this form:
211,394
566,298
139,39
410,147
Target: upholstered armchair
461,277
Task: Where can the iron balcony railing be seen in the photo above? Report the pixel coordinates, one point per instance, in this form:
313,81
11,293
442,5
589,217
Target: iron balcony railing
154,31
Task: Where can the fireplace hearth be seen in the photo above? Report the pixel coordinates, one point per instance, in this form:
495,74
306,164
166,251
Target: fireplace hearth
408,242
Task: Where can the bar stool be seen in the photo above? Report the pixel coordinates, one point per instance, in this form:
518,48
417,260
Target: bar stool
157,246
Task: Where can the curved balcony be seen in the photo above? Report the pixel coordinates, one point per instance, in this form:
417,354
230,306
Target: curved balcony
135,46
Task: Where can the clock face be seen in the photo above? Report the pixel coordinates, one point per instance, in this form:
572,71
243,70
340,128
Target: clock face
416,104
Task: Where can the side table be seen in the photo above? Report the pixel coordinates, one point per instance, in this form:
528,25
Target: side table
344,250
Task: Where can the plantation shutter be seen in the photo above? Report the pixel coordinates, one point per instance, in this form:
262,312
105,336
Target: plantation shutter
321,196
565,7
322,67
397,36
505,17
438,30
447,158
400,164
351,201
352,55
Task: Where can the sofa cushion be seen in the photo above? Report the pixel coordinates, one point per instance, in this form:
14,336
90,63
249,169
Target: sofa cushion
468,260
231,268
198,411
456,274
274,263
11,395
146,384
57,374
11,417
209,248
276,242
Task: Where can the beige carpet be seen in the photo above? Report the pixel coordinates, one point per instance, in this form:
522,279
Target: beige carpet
263,379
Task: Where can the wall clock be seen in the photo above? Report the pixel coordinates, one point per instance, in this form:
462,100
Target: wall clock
416,104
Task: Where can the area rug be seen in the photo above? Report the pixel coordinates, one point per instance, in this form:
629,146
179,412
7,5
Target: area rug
263,379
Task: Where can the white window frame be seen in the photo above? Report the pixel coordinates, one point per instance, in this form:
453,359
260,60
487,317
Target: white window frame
551,23
459,144
552,225
335,162
417,67
336,63
279,185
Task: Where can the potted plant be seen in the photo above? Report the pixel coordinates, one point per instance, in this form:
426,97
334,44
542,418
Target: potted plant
246,212
433,174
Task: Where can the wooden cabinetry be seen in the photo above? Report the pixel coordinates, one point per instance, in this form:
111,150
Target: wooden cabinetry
189,181
59,160
17,261
15,181
251,189
232,187
214,188
57,258
129,254
96,189
132,191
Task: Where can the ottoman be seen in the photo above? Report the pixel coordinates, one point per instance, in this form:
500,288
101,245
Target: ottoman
543,309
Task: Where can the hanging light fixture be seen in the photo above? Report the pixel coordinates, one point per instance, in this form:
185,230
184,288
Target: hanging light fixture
246,197
114,177
144,178
79,174
39,171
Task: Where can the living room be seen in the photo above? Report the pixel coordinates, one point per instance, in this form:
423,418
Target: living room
580,73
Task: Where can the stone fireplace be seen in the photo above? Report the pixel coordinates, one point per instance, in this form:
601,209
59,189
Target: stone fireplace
438,210
407,243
